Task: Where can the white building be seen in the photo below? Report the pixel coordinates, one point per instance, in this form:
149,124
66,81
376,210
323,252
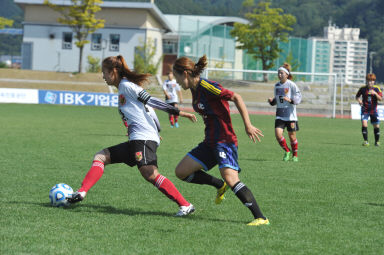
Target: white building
348,54
49,45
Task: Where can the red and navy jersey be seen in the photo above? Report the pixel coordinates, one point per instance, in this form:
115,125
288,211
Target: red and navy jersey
210,100
369,101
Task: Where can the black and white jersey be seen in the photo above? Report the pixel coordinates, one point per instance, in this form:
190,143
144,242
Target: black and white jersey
284,110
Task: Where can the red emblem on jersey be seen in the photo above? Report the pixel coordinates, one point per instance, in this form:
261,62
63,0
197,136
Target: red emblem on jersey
286,90
122,100
138,156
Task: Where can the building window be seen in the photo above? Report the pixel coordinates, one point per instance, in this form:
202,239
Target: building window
170,47
96,42
114,42
67,40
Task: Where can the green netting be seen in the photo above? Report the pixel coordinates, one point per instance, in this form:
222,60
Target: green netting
198,38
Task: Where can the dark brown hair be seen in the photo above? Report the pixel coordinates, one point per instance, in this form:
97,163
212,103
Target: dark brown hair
185,64
119,66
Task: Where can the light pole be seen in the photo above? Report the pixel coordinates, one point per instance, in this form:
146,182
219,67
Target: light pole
371,53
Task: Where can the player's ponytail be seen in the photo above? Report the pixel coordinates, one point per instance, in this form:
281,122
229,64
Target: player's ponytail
200,66
185,64
119,66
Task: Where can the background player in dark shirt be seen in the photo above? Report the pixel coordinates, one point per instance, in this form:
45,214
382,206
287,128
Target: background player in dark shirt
219,147
370,95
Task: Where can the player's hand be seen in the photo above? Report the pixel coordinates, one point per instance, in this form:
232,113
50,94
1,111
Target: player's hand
254,133
190,116
270,100
287,99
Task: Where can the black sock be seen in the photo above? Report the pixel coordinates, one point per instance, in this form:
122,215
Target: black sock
377,134
246,197
201,177
364,130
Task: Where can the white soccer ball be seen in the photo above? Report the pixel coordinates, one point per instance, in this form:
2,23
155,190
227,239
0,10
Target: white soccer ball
59,194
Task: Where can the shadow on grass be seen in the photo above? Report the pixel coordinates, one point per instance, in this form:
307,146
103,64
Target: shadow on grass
374,204
104,134
343,144
128,211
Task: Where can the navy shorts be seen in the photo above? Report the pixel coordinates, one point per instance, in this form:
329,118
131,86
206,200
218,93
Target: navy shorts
222,154
290,125
135,152
374,117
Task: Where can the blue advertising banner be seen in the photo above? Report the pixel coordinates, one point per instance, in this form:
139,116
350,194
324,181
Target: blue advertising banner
77,98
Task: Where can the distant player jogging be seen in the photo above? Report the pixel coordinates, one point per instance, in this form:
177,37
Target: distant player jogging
135,106
172,94
219,147
370,95
286,96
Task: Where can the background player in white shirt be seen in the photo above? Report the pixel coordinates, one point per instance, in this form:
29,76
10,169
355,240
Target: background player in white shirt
143,131
287,96
172,94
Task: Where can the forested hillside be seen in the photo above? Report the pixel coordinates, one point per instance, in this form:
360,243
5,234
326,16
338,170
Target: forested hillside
312,16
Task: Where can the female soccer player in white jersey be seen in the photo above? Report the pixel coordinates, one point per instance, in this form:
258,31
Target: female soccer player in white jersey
143,127
172,94
287,96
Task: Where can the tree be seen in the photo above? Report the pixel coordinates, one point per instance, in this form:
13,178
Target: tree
5,22
80,17
144,60
261,36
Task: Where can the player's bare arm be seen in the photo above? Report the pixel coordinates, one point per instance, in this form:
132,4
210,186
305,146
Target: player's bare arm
252,132
190,116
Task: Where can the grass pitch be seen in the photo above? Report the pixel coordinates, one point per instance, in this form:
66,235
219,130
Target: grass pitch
330,202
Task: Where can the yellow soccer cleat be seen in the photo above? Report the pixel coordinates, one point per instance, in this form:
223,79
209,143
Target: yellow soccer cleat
220,193
258,222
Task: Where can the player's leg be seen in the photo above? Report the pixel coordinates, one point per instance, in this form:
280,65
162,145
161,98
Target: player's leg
279,130
176,117
190,169
364,128
152,175
292,128
100,159
244,194
376,128
171,119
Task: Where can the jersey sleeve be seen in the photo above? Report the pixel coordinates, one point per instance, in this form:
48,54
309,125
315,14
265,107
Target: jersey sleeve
358,94
215,89
296,94
378,91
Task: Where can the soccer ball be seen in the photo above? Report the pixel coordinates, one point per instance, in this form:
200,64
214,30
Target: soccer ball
59,193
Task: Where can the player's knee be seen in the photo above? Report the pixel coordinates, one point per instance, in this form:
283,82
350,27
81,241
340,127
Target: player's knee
179,173
103,156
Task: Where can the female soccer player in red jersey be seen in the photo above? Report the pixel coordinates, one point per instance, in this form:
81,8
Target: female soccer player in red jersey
287,96
219,147
135,106
370,95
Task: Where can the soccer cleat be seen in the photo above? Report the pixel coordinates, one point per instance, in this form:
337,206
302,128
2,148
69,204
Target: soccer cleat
287,155
185,210
171,126
295,159
220,193
76,197
176,125
259,222
365,143
377,144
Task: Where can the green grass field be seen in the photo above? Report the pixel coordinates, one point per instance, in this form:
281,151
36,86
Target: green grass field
331,202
